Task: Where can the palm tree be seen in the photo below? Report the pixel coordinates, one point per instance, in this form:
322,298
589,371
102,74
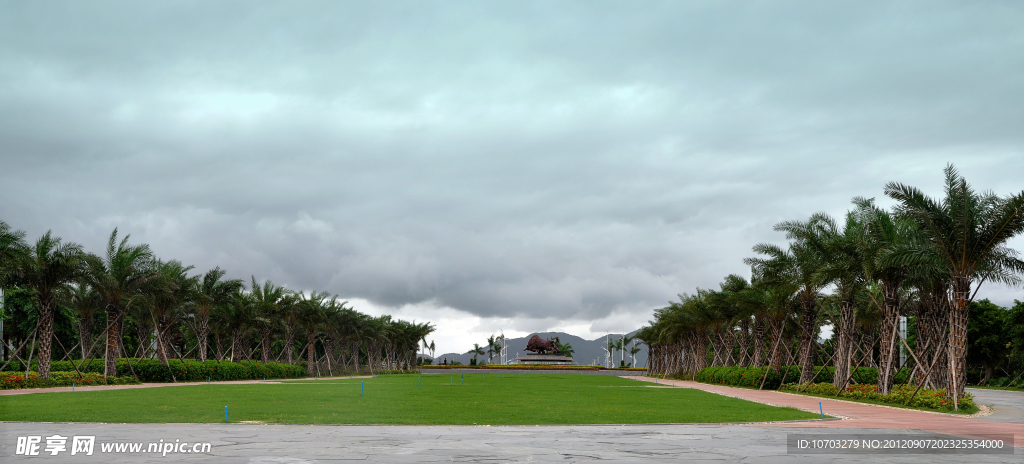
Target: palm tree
291,309
267,300
633,351
843,266
801,264
566,349
236,317
885,234
118,276
46,267
12,245
969,232
311,315
476,351
210,292
492,347
86,303
168,295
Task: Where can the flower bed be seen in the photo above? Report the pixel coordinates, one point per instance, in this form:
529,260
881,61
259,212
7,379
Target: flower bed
535,367
13,381
898,396
752,376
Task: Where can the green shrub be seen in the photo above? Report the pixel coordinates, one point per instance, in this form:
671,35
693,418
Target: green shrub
10,381
751,376
152,370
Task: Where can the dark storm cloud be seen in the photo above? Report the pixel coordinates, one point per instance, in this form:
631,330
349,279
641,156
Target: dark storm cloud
544,160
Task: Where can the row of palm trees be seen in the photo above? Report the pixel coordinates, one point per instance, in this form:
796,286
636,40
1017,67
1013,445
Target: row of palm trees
622,345
926,258
166,302
494,346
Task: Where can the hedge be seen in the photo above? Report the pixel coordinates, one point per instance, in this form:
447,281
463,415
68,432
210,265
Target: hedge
152,370
11,381
526,367
899,395
751,376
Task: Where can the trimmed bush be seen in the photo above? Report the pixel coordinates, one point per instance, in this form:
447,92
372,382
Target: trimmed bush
11,381
152,370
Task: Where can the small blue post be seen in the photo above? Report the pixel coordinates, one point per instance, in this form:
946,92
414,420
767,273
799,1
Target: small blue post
72,386
451,380
419,381
207,380
463,379
361,388
226,414
820,410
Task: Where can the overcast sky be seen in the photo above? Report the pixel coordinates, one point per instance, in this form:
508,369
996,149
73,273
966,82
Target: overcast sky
517,166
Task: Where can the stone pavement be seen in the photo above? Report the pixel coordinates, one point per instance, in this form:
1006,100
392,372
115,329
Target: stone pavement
242,443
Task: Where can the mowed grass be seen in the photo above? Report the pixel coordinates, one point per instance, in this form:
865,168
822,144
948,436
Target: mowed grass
395,399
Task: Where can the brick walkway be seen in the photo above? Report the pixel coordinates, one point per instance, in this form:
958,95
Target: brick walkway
861,415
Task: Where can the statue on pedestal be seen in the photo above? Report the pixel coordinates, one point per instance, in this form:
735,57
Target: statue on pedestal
541,346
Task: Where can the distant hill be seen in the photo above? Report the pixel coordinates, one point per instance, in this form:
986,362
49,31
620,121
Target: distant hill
585,351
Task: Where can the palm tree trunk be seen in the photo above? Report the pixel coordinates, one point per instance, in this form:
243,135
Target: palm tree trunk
958,338
310,353
845,332
265,345
289,342
113,342
758,342
775,355
744,340
808,345
45,339
85,336
162,348
237,344
889,326
202,333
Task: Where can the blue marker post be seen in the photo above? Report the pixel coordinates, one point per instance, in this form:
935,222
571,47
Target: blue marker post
226,414
419,381
360,388
451,380
207,380
72,386
822,411
463,379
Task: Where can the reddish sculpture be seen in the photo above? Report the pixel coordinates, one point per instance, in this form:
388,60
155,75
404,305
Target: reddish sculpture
541,346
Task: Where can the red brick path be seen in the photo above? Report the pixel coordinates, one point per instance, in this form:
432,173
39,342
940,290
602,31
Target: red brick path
861,415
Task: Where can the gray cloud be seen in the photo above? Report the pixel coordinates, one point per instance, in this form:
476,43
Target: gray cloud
543,161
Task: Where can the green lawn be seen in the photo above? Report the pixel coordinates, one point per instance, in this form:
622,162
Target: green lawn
395,399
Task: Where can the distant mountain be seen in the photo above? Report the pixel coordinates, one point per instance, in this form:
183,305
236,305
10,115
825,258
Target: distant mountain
584,351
